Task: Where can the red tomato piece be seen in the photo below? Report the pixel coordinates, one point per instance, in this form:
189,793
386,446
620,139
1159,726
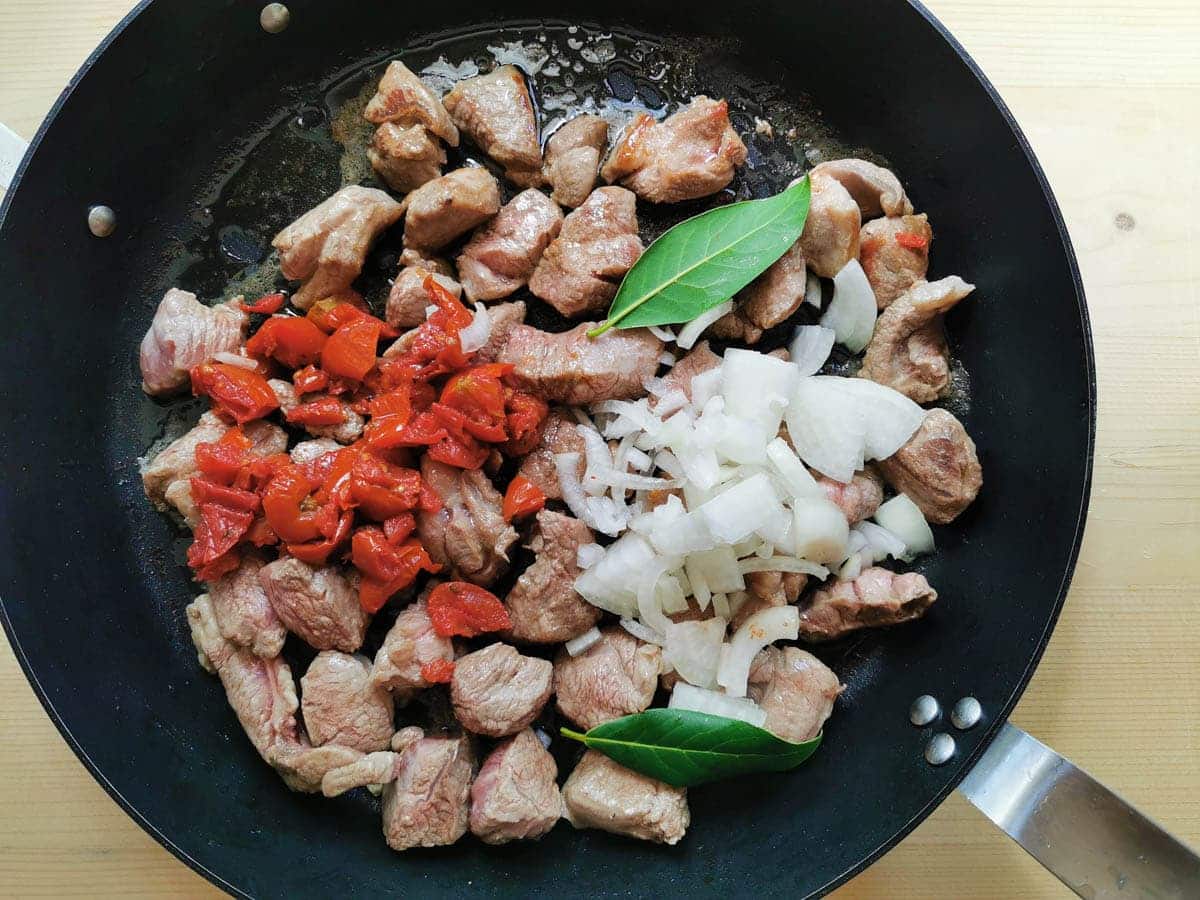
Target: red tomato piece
392,431
464,609
910,241
290,510
266,304
438,671
317,553
293,341
222,459
309,380
524,419
382,490
350,351
399,528
522,498
225,516
385,568
241,394
322,411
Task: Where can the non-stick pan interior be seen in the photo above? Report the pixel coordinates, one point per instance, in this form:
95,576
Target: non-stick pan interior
205,134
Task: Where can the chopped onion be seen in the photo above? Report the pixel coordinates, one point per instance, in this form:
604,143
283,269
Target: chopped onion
777,623
782,564
638,460
698,583
476,335
687,696
795,477
705,386
649,604
852,567
904,519
588,555
888,418
819,531
719,567
692,330
851,312
577,645
666,359
608,516
720,603
641,632
825,430
599,460
812,289
756,387
881,542
693,649
663,334
736,513
607,583
810,348
687,534
671,597
234,359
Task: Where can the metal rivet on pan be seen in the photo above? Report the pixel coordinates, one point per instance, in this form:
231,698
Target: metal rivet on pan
966,713
924,710
939,749
102,221
274,18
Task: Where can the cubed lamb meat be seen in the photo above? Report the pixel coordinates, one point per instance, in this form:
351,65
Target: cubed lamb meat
404,99
603,794
614,677
307,451
515,795
405,158
894,253
575,369
502,254
693,153
766,301
319,605
183,334
938,468
857,500
410,644
767,589
326,247
543,605
347,431
468,535
408,299
303,768
875,190
875,598
504,316
496,112
442,209
573,159
497,691
908,350
699,359
831,231
341,704
426,805
559,435
243,613
582,268
376,768
795,689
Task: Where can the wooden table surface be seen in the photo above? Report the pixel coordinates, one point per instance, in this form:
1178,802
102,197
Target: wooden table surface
1108,92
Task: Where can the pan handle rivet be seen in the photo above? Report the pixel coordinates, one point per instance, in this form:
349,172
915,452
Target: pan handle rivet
939,749
101,220
923,710
274,18
966,713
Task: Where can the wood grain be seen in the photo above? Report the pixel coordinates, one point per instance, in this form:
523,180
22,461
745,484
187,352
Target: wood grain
1106,92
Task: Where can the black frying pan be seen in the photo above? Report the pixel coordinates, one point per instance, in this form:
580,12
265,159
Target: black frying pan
90,574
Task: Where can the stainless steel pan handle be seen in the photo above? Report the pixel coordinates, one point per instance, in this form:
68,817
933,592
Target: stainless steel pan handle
1089,838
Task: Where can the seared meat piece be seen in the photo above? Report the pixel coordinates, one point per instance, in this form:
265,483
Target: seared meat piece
504,317
515,796
603,794
342,706
766,301
937,468
425,803
893,267
408,299
768,589
496,691
857,500
581,270
374,768
614,677
242,611
831,231
347,431
185,333
404,99
442,209
468,535
795,689
302,767
495,111
319,605
572,368
410,644
559,435
405,158
502,254
908,350
876,597
699,359
306,451
573,158
326,247
543,606
691,154
875,189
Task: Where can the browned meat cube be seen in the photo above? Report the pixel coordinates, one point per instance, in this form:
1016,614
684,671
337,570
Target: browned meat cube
408,299
766,301
376,768
426,803
515,796
831,231
603,794
468,535
559,435
894,253
767,589
857,500
442,209
404,99
795,689
875,598
574,369
502,254
496,112
243,613
319,605
938,468
405,158
573,159
614,677
496,691
543,605
326,247
183,334
347,431
693,153
302,767
504,316
342,706
410,644
582,269
875,189
908,350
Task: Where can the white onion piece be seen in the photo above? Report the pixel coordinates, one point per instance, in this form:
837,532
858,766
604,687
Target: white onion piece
778,623
637,459
888,418
629,481
692,330
577,645
649,604
857,543
795,477
698,584
736,513
687,534
607,584
606,515
810,348
476,335
666,359
904,519
671,596
719,567
851,312
825,430
599,460
672,401
819,531
720,604
705,386
693,649
782,564
663,334
641,632
233,359
588,555
756,387
812,289
852,567
880,541
689,697
737,600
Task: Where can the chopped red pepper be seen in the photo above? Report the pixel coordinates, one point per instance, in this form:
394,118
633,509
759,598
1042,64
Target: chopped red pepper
317,553
478,396
460,608
910,241
522,498
385,568
241,394
394,431
526,413
266,304
399,528
222,460
332,313
322,411
350,351
293,341
438,671
290,510
309,380
225,516
382,490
